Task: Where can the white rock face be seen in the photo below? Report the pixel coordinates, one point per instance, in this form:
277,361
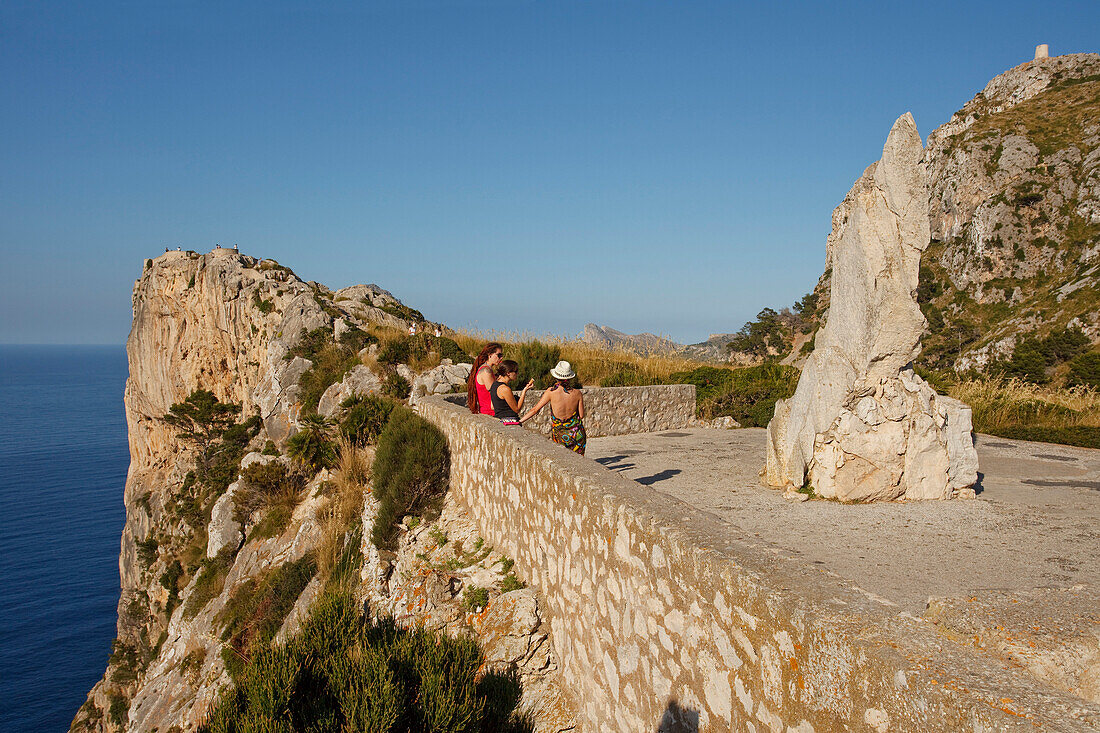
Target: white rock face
359,381
861,425
441,380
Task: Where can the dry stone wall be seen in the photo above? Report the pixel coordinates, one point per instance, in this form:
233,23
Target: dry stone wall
665,618
620,410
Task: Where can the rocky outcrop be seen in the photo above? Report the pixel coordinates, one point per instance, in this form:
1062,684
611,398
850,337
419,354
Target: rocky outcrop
605,337
359,381
446,378
1014,192
230,324
431,580
861,425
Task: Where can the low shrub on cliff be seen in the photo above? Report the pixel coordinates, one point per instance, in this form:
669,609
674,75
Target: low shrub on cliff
364,418
331,360
396,386
312,445
209,583
342,671
272,487
410,473
258,607
449,349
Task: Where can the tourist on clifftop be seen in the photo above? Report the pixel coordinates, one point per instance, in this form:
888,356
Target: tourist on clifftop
481,378
505,406
566,407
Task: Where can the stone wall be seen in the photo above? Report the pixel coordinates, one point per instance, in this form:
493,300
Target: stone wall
620,410
666,618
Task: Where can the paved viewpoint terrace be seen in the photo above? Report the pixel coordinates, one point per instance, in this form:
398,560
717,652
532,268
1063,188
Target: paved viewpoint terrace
1035,523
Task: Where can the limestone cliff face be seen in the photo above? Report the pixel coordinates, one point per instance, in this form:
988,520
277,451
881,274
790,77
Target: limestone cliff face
1014,181
220,322
226,323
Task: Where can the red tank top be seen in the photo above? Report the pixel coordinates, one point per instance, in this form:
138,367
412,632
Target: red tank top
484,400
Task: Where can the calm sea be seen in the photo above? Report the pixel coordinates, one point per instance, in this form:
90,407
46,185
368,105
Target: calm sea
63,460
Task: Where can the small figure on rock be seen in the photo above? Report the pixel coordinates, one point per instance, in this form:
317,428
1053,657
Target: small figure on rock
567,408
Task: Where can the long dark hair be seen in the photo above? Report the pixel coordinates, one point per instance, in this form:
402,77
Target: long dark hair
505,368
471,383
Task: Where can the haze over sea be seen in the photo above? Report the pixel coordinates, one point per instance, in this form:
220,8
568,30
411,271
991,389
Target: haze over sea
63,461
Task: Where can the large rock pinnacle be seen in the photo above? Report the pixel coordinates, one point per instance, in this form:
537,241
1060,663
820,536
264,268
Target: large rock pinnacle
861,425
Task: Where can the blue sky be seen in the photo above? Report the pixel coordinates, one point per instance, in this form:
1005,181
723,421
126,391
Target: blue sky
516,166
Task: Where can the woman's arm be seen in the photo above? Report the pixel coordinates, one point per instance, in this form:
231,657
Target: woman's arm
507,396
535,410
580,404
523,393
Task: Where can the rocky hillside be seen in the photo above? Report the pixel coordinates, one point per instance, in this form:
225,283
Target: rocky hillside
227,539
1014,260
1015,215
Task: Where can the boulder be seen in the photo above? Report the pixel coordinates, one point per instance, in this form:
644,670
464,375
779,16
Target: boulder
861,425
441,380
359,381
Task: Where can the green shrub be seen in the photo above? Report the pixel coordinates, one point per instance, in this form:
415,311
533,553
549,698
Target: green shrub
1084,370
271,487
395,351
396,386
535,360
411,470
511,583
147,549
403,312
264,306
170,580
364,418
747,395
448,349
344,672
331,360
258,607
311,445
209,583
270,449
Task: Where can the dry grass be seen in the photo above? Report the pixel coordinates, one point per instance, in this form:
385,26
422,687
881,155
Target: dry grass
1001,402
346,504
592,363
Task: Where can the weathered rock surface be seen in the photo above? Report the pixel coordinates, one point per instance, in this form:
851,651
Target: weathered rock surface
446,378
861,425
425,582
227,323
1053,633
359,381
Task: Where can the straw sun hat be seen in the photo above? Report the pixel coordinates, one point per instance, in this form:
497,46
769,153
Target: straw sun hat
564,370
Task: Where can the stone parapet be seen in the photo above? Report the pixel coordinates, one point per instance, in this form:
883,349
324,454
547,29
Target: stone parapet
666,618
620,410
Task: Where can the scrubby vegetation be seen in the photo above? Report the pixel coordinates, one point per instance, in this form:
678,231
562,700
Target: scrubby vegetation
747,395
364,418
344,672
410,473
258,607
312,445
1012,408
331,360
272,488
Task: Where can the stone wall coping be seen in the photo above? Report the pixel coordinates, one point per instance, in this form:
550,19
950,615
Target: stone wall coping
722,557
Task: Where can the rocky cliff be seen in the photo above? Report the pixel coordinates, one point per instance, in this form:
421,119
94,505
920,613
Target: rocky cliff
1014,180
1014,217
215,331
